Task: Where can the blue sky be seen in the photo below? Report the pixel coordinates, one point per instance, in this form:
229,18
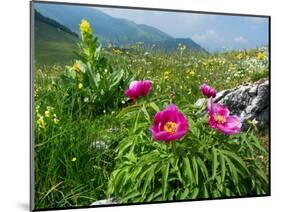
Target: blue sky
213,32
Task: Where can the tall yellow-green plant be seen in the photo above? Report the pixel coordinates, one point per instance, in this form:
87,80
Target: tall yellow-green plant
93,76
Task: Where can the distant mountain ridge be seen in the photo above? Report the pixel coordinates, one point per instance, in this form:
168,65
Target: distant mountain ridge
54,43
51,22
116,31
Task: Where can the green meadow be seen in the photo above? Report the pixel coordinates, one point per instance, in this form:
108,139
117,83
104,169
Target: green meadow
93,143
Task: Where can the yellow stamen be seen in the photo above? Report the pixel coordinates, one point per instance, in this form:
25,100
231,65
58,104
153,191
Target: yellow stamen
170,127
220,119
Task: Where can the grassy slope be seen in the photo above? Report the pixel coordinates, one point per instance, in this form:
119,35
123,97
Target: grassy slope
53,46
61,182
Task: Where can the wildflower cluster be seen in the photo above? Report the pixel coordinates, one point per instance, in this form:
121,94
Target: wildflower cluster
48,118
170,124
190,73
116,51
167,74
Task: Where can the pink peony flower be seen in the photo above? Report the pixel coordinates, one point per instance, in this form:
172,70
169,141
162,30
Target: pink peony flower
138,88
220,119
208,91
169,124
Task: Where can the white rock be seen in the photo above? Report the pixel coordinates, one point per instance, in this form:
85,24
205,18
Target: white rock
101,145
249,101
201,102
104,202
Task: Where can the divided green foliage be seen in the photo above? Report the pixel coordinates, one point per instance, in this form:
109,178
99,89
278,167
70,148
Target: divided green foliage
204,164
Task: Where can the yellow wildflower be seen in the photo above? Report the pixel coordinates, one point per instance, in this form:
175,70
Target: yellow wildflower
167,74
85,27
73,159
56,121
50,108
192,73
75,67
47,113
117,51
80,85
261,56
37,108
240,56
41,122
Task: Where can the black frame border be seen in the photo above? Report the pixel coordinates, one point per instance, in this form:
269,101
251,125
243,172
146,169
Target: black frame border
31,103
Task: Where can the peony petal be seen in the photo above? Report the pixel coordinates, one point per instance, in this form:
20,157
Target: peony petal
221,110
232,126
157,117
182,124
182,127
133,84
138,88
157,120
210,106
177,135
154,129
146,87
204,88
208,91
131,94
214,108
171,107
212,92
212,122
169,115
161,136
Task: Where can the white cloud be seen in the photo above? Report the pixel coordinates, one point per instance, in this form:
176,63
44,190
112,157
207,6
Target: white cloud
241,39
210,35
210,40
